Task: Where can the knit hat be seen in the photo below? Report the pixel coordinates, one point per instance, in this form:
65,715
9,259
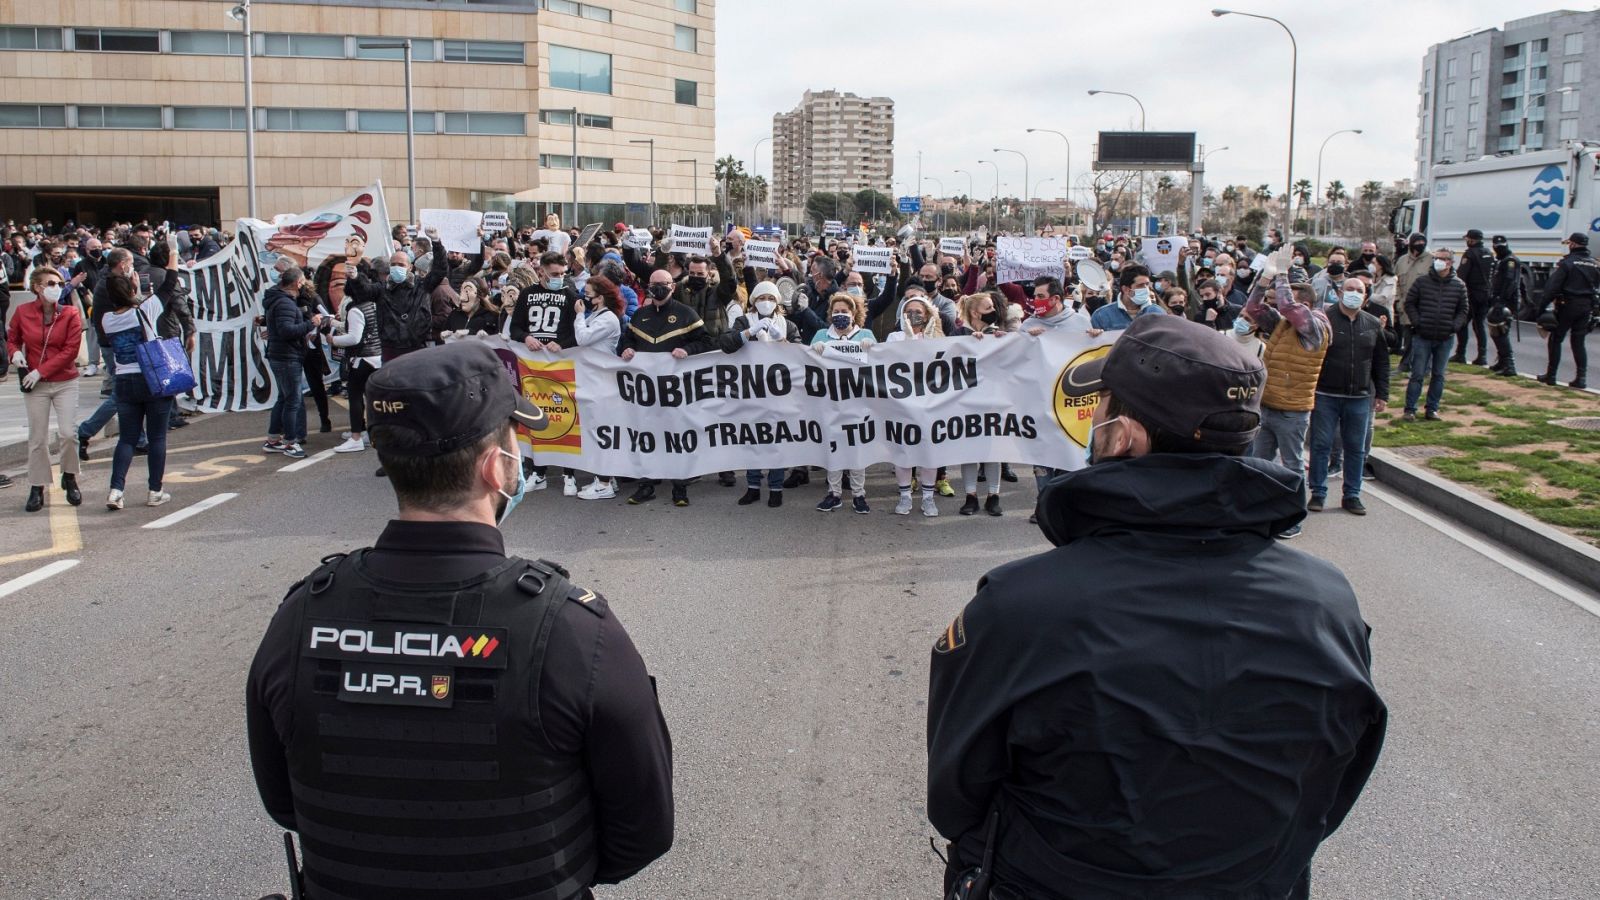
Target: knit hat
766,288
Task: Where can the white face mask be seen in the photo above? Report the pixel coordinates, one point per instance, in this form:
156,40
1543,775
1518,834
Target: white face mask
53,293
765,308
1440,265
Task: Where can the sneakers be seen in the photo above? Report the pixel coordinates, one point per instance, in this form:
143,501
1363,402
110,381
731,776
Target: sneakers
903,508
537,482
680,495
1290,533
774,499
859,504
929,507
157,498
293,451
6,482
569,486
351,445
828,504
751,495
114,500
992,506
942,486
274,446
644,493
599,490
970,508
1354,506
1315,504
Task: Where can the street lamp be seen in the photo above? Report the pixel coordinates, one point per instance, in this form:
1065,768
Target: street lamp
1322,227
994,204
755,159
241,14
411,125
1069,163
1141,171
1522,141
1294,78
652,143
1027,213
694,168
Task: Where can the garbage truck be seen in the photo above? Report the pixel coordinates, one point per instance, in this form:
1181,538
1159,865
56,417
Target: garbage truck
1536,199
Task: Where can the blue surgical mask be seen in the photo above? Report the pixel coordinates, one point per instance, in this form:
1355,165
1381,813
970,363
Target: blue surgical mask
853,291
515,498
1141,296
1088,451
397,274
1351,300
1241,326
555,282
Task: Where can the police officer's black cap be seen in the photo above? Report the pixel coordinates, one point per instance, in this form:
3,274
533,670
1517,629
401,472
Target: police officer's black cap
1475,234
1499,240
441,399
1578,239
1176,374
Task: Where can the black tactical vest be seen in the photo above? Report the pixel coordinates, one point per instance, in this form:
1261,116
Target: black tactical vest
416,756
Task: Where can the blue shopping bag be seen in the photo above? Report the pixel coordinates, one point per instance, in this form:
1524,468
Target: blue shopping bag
165,366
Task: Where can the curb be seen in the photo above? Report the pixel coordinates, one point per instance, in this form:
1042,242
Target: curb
1545,544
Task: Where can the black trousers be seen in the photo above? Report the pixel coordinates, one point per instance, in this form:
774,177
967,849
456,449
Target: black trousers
356,393
319,391
1504,356
1477,319
1572,321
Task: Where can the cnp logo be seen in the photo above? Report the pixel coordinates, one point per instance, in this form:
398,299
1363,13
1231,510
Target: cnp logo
389,406
1075,400
555,398
1243,393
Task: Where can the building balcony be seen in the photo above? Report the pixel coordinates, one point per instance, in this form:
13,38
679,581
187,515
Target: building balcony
1511,91
1507,145
1515,63
1539,59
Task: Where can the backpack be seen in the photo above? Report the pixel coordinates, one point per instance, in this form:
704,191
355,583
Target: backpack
405,320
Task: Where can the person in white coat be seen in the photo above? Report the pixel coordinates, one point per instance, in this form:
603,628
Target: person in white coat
599,325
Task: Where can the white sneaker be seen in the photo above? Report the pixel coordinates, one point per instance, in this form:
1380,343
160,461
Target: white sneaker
929,507
345,435
114,500
157,498
537,482
903,508
569,486
599,490
351,445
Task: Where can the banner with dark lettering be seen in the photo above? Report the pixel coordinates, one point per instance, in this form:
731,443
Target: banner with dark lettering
225,291
938,402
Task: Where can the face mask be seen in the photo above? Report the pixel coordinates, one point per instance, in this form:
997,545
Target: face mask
1300,260
929,283
1039,306
992,317
696,282
660,292
1440,265
854,291
515,498
1418,248
53,293
555,282
1113,265
948,293
1228,247
411,255
765,308
1177,309
1241,326
1222,282
1089,450
916,319
1351,300
1141,296
1369,257
841,321
397,274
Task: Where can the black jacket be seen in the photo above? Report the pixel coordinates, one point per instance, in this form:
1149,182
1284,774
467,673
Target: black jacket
1436,306
1477,263
1576,277
665,329
711,301
287,326
1357,361
405,310
1505,285
1170,703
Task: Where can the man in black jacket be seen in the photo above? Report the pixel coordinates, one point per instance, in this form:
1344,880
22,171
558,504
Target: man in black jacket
1476,266
1572,289
1169,703
1436,306
405,302
1353,384
663,325
1505,296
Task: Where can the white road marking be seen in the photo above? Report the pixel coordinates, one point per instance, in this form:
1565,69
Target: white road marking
190,512
36,576
307,462
1545,580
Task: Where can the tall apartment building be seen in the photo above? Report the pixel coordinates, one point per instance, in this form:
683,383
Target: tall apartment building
135,109
1502,90
831,142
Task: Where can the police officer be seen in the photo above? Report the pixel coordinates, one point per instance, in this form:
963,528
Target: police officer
1505,290
438,719
1474,271
1170,703
1570,292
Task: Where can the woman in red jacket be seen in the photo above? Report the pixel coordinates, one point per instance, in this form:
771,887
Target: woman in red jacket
43,342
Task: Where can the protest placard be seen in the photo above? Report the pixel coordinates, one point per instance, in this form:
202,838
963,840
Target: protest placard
1160,254
496,221
761,254
832,226
588,233
1079,253
691,240
952,246
1027,258
874,260
637,238
458,228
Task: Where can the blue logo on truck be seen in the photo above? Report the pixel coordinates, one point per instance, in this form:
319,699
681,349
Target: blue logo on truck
1549,194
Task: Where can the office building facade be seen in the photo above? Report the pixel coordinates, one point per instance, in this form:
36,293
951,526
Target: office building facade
832,142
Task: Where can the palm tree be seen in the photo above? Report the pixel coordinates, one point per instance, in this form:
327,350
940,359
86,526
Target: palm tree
1263,195
1230,196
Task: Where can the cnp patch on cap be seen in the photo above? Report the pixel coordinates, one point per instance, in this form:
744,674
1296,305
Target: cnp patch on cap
442,399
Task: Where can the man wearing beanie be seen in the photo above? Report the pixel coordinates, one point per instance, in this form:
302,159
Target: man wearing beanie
1171,702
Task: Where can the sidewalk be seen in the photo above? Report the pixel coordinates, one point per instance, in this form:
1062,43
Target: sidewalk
14,418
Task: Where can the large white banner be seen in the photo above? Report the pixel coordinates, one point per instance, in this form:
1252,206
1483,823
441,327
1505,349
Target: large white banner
225,291
1027,258
924,403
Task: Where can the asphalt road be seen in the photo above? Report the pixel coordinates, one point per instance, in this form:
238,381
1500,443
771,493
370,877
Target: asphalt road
791,650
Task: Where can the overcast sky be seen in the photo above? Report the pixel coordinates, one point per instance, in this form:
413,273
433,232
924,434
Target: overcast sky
967,77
